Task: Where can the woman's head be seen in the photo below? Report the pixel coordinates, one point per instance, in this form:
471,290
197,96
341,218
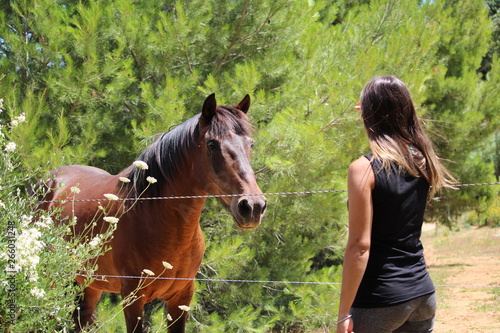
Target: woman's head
395,132
387,109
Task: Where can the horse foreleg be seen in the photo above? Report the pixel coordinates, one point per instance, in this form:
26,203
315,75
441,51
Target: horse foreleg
133,310
178,323
84,313
178,315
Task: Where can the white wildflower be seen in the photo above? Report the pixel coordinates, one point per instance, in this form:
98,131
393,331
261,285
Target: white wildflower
110,196
111,219
10,147
28,247
21,118
95,242
45,222
2,205
33,276
75,189
124,180
141,165
148,272
167,265
184,308
38,293
14,123
151,180
169,317
26,220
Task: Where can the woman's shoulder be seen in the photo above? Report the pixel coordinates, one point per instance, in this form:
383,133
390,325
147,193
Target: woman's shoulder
360,171
362,162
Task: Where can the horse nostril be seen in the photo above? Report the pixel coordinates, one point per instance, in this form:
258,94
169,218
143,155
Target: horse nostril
245,208
264,207
251,209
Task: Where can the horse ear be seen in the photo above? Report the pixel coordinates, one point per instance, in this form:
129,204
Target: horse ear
209,107
244,105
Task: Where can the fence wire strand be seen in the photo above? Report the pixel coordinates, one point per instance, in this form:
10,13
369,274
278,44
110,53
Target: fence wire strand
228,195
101,277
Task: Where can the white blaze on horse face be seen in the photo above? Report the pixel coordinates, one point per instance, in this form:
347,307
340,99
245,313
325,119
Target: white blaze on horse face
233,175
247,209
230,160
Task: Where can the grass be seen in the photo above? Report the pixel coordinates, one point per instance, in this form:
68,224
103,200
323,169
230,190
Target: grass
111,319
452,254
493,306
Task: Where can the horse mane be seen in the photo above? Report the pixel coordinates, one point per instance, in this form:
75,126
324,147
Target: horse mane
167,156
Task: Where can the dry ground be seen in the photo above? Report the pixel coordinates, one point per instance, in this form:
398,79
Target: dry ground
465,266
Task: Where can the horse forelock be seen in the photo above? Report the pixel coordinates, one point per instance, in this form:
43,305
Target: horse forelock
167,156
229,119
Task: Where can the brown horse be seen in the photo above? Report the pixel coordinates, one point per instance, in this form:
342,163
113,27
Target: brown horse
209,154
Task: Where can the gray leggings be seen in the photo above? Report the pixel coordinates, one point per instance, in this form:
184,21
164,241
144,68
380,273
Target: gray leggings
415,316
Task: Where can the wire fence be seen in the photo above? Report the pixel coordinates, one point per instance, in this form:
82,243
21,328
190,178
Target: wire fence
229,195
104,277
101,277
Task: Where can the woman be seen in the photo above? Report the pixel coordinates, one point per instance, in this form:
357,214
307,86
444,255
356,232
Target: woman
385,284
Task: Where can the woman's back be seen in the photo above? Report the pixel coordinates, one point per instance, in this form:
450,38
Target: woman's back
396,269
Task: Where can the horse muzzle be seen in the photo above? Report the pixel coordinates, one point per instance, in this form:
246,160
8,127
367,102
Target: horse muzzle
248,211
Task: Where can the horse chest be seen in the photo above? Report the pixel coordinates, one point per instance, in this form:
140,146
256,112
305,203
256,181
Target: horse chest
148,248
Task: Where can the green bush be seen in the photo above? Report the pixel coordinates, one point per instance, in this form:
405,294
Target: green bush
39,260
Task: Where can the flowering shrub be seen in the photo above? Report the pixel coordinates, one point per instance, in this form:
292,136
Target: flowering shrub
40,256
37,265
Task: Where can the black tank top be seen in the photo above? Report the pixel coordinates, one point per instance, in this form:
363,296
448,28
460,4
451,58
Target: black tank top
396,270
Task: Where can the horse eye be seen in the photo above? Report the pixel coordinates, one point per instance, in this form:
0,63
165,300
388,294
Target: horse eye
252,144
212,145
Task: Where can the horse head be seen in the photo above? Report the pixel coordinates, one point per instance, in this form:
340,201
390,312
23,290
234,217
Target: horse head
225,142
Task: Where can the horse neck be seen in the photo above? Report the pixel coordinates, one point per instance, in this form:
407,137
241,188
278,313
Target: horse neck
163,208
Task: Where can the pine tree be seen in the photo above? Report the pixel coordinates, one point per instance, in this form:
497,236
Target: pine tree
97,80
462,106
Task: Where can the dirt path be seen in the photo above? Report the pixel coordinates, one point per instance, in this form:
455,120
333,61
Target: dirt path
465,266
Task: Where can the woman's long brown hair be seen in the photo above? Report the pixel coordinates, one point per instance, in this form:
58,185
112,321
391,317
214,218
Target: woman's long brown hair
396,134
